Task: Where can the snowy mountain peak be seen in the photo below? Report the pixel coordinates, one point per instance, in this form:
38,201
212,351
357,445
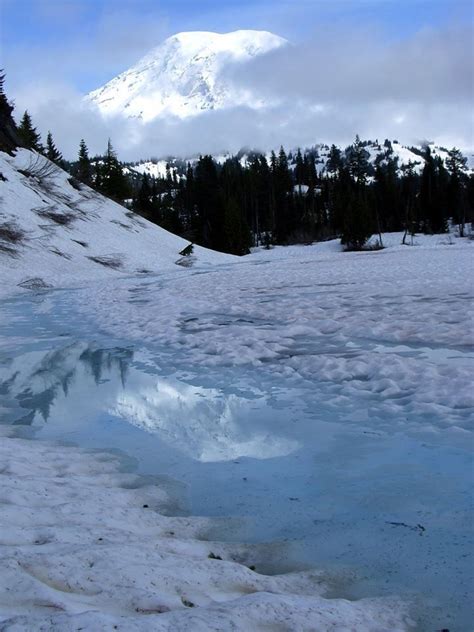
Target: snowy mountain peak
184,75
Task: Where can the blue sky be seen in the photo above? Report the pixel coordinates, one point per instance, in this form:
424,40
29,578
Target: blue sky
118,32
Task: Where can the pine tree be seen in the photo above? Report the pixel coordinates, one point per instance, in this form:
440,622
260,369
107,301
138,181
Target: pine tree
283,188
9,136
272,204
144,202
432,195
388,208
209,203
5,107
334,162
111,180
358,226
84,167
311,175
357,160
456,165
409,194
236,229
189,203
170,177
300,169
28,134
52,152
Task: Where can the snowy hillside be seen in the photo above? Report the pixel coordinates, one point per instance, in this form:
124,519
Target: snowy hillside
182,76
57,231
376,152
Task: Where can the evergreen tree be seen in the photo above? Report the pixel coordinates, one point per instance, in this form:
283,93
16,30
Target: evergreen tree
456,165
169,176
310,174
144,203
388,208
110,179
283,184
432,195
338,191
189,203
5,107
236,229
84,167
357,160
52,152
358,225
209,203
409,196
9,136
334,161
28,134
300,171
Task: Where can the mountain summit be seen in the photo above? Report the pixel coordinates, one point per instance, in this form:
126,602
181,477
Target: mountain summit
185,75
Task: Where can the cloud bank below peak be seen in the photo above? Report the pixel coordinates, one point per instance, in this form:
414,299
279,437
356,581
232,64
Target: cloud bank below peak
326,89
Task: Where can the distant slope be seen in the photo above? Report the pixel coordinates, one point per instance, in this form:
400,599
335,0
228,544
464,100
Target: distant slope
55,231
376,152
182,77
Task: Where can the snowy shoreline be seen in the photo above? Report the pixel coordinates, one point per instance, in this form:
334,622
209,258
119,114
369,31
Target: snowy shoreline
83,546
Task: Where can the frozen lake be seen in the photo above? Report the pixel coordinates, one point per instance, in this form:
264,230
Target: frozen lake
378,495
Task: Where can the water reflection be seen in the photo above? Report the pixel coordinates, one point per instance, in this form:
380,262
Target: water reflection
35,380
81,381
205,423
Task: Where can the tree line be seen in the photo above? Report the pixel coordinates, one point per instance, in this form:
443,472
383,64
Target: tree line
290,199
284,198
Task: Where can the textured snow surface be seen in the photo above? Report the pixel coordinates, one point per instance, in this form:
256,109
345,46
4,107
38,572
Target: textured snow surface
84,546
391,327
183,76
70,236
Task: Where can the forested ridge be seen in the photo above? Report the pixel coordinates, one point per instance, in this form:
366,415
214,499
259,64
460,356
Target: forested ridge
282,198
295,197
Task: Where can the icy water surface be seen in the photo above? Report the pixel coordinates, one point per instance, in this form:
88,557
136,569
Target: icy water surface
389,509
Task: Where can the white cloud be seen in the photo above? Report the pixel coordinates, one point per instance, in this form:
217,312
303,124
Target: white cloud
327,90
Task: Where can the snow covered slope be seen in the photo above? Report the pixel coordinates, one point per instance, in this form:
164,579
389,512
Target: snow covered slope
182,76
56,231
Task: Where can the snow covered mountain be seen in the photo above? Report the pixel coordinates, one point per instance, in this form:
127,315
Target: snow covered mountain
183,76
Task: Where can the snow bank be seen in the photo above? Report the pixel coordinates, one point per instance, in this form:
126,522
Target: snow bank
55,231
83,545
